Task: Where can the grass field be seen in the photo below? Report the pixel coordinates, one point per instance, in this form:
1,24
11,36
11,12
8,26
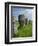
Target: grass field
25,31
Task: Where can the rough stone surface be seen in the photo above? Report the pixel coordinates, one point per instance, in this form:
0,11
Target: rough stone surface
13,25
22,20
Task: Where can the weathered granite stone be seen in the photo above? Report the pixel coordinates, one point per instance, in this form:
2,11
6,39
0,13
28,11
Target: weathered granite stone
13,26
26,21
21,19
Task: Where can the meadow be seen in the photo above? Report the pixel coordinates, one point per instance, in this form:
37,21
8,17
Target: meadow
25,31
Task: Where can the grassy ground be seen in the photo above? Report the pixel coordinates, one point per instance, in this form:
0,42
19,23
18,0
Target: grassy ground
25,31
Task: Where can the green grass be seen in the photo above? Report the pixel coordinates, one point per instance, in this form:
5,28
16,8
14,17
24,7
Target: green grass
25,31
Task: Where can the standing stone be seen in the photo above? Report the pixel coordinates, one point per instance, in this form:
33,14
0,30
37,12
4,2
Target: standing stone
13,26
21,19
30,21
26,21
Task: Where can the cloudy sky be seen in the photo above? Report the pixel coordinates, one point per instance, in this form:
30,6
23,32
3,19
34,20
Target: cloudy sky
16,11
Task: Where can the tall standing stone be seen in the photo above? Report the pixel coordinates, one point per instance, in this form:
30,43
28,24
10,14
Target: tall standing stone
13,26
21,19
26,21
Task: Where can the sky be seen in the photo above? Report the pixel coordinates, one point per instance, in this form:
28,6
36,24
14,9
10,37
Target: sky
16,11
